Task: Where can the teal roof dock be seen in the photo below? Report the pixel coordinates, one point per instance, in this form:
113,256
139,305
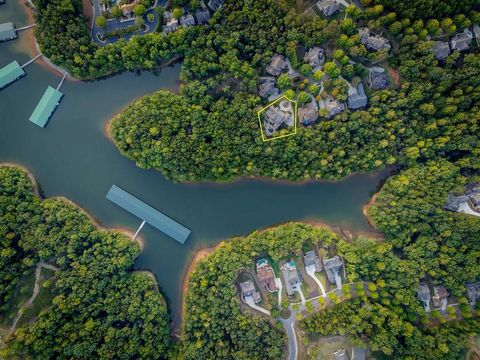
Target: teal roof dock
145,212
45,108
7,31
10,73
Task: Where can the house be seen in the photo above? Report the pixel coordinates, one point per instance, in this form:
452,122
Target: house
315,57
277,115
172,25
7,32
311,260
476,32
276,66
468,202
187,20
373,42
308,114
248,289
439,298
266,275
340,354
215,4
423,294
127,9
328,7
377,80
167,15
333,267
473,193
441,50
462,41
267,87
356,97
202,16
291,277
359,353
473,293
333,106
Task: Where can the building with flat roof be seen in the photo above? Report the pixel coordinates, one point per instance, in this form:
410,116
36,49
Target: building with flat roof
46,106
147,213
7,31
10,73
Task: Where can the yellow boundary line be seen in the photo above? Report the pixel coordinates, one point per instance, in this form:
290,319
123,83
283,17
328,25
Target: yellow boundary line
264,138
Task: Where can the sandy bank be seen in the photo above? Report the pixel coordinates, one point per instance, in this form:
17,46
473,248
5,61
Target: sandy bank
367,206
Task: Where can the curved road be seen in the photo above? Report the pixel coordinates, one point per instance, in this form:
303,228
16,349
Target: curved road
292,338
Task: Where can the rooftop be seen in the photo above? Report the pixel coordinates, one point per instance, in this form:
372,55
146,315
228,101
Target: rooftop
9,73
46,106
356,97
441,49
7,31
462,41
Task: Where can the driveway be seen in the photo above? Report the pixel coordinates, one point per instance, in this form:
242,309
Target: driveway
292,338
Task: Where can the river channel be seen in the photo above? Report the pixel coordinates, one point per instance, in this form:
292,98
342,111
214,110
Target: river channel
72,157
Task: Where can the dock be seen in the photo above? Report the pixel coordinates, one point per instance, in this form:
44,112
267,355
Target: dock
46,106
10,73
148,214
7,31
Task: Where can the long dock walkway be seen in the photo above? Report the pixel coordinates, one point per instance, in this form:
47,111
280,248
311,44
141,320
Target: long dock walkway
147,213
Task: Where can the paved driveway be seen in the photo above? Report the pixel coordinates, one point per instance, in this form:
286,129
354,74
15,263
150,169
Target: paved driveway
292,338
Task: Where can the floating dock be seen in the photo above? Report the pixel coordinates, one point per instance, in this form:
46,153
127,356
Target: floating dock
45,108
147,213
10,73
7,31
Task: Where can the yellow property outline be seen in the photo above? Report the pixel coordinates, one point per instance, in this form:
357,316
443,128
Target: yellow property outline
264,138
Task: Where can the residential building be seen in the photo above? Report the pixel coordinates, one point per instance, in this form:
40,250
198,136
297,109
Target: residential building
7,31
377,80
267,87
315,57
215,4
127,9
278,115
308,114
172,25
291,277
356,97
328,7
333,106
340,354
468,202
440,298
423,294
333,268
441,50
311,260
248,289
359,353
476,32
266,275
202,16
187,20
276,66
373,42
473,293
462,41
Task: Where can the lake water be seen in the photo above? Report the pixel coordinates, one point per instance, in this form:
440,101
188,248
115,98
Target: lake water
73,158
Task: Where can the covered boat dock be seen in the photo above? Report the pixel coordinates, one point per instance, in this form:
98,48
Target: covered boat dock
45,108
10,73
148,214
7,31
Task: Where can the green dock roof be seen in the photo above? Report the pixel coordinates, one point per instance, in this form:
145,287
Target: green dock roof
9,73
45,108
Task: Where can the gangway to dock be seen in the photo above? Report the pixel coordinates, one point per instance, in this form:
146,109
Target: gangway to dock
148,214
9,32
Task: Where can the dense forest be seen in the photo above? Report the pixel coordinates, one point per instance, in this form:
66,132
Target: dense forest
101,310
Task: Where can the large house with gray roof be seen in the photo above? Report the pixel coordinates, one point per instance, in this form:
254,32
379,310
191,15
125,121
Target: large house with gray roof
202,16
187,20
311,260
278,115
356,97
328,7
462,41
291,277
468,202
377,80
276,66
373,42
333,106
333,268
473,293
440,298
248,289
441,50
215,4
267,87
315,57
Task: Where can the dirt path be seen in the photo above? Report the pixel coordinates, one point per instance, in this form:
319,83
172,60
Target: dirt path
36,289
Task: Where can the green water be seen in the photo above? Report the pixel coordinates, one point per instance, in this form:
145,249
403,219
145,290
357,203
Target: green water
73,158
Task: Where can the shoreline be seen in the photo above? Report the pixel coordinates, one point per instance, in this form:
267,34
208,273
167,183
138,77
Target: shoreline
367,206
202,253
